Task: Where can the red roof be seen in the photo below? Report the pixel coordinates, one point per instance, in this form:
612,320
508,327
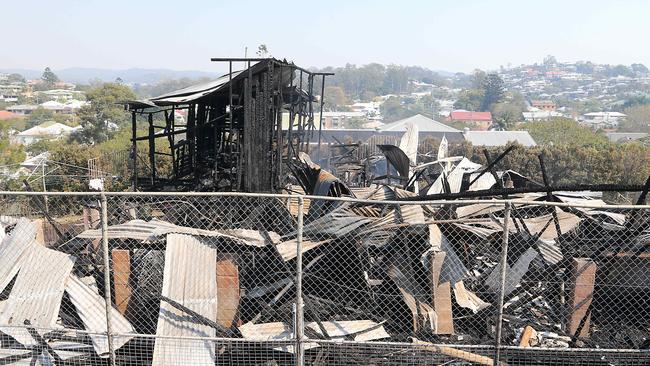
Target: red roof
470,116
8,115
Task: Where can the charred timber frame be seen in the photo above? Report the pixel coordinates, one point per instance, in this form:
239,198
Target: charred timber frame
232,138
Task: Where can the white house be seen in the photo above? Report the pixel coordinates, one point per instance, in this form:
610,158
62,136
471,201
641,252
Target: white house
603,119
49,130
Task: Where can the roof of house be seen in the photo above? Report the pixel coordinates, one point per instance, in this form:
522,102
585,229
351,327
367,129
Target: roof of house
605,114
626,136
423,124
49,128
499,138
52,105
470,116
22,107
8,115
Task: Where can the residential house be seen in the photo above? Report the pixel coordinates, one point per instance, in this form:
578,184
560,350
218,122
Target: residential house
603,119
64,108
544,105
622,137
371,109
49,130
426,127
340,119
61,95
480,121
22,109
539,115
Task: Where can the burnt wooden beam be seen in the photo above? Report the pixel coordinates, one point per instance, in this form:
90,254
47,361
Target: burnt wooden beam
549,196
152,149
510,191
492,164
134,149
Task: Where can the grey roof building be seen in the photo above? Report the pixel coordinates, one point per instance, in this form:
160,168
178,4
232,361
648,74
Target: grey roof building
499,138
423,124
626,136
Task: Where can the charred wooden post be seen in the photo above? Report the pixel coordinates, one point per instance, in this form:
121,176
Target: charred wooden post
134,150
152,149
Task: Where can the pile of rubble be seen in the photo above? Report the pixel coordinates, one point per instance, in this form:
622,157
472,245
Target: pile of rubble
423,274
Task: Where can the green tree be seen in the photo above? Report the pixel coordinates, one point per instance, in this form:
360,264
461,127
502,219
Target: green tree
334,98
506,115
639,68
493,91
638,119
478,78
15,78
39,116
563,131
104,112
262,51
469,99
49,78
11,153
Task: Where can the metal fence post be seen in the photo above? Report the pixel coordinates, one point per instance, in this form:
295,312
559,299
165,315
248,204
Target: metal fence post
107,279
300,319
502,285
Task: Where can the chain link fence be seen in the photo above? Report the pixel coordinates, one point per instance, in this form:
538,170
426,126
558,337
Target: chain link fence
254,279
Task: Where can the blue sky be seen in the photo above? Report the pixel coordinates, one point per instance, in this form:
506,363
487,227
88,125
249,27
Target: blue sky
444,35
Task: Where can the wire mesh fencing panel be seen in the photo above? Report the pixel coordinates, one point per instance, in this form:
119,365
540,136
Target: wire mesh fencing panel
201,267
579,282
235,279
50,282
410,273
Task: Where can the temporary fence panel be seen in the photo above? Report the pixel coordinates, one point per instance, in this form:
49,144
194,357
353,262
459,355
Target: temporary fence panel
232,279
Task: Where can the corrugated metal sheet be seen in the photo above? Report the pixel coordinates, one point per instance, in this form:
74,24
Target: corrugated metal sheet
91,308
36,295
374,192
335,224
157,229
363,330
397,158
190,279
514,273
409,142
550,251
288,250
412,214
13,249
455,177
567,221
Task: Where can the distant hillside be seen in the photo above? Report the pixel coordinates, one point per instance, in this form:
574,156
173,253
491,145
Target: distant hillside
81,75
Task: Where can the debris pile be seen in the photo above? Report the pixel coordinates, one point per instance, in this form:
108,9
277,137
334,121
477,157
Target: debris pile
423,274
